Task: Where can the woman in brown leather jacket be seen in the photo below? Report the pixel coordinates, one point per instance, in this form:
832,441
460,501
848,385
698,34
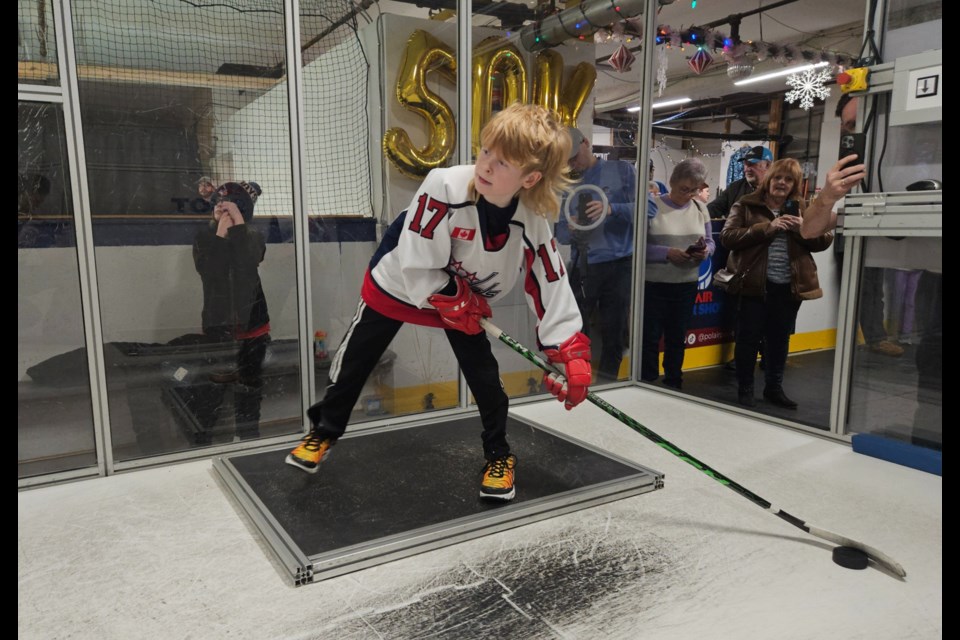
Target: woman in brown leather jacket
762,233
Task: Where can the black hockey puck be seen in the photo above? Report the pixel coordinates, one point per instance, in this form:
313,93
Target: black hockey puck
850,558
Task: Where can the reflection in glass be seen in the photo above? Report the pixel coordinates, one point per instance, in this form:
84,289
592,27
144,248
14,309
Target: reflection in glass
700,112
54,410
36,43
512,63
366,152
184,106
597,221
896,383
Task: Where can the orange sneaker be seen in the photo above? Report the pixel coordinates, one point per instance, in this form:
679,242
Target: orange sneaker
498,478
311,451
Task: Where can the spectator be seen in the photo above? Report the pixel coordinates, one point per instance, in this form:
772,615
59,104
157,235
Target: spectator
227,254
777,271
601,259
755,165
678,240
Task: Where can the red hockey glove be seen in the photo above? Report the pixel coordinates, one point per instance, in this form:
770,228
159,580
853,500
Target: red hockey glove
571,389
462,311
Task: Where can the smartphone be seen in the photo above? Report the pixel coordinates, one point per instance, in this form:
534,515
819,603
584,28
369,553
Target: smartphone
697,246
791,208
583,199
853,143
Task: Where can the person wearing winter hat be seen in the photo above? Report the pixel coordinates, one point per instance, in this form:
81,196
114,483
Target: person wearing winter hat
242,194
227,254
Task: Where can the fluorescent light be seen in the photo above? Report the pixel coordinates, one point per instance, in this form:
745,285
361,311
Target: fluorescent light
665,103
782,72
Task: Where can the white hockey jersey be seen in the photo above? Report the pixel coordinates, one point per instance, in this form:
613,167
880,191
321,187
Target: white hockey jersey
442,233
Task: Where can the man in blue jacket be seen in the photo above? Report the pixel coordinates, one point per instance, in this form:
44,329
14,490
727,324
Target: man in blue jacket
601,259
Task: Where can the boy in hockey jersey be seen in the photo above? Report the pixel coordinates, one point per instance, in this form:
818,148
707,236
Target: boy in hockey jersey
468,235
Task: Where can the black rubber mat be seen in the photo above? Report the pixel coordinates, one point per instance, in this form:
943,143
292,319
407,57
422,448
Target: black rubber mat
423,482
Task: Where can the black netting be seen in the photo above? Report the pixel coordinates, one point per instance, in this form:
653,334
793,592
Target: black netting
172,90
36,43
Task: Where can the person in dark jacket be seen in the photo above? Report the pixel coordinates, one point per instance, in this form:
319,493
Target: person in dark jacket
762,233
756,161
227,254
755,165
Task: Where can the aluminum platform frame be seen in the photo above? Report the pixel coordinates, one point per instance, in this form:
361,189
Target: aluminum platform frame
618,479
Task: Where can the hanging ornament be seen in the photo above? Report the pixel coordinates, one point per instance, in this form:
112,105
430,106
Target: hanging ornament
662,64
807,85
739,70
621,59
738,65
700,60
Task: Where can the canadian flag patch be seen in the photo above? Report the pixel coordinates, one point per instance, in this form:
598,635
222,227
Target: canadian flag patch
460,233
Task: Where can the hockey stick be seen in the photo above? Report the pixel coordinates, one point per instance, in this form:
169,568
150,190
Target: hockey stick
877,555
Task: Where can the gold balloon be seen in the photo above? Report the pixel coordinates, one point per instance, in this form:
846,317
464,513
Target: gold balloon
493,57
576,92
548,71
423,54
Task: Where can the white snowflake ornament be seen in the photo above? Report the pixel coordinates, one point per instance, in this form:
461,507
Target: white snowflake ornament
807,85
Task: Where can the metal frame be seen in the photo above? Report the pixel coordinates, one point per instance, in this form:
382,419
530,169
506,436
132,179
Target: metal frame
897,213
306,569
66,94
865,215
301,239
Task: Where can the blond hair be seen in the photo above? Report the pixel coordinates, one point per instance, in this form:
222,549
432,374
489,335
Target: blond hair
531,138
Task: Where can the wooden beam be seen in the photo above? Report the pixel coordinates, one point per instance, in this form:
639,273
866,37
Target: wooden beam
34,71
774,124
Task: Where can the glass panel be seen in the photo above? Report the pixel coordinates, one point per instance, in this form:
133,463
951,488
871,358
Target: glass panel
36,43
717,122
361,175
896,385
185,105
525,53
54,411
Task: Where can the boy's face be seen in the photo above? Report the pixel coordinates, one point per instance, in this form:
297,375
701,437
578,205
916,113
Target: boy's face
497,180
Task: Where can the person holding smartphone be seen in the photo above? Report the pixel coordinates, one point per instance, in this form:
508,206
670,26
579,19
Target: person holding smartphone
678,240
767,250
847,173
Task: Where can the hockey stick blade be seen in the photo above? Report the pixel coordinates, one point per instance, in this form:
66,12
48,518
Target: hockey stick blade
878,556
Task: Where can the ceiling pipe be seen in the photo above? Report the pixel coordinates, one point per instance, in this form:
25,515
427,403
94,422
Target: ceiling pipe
580,22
